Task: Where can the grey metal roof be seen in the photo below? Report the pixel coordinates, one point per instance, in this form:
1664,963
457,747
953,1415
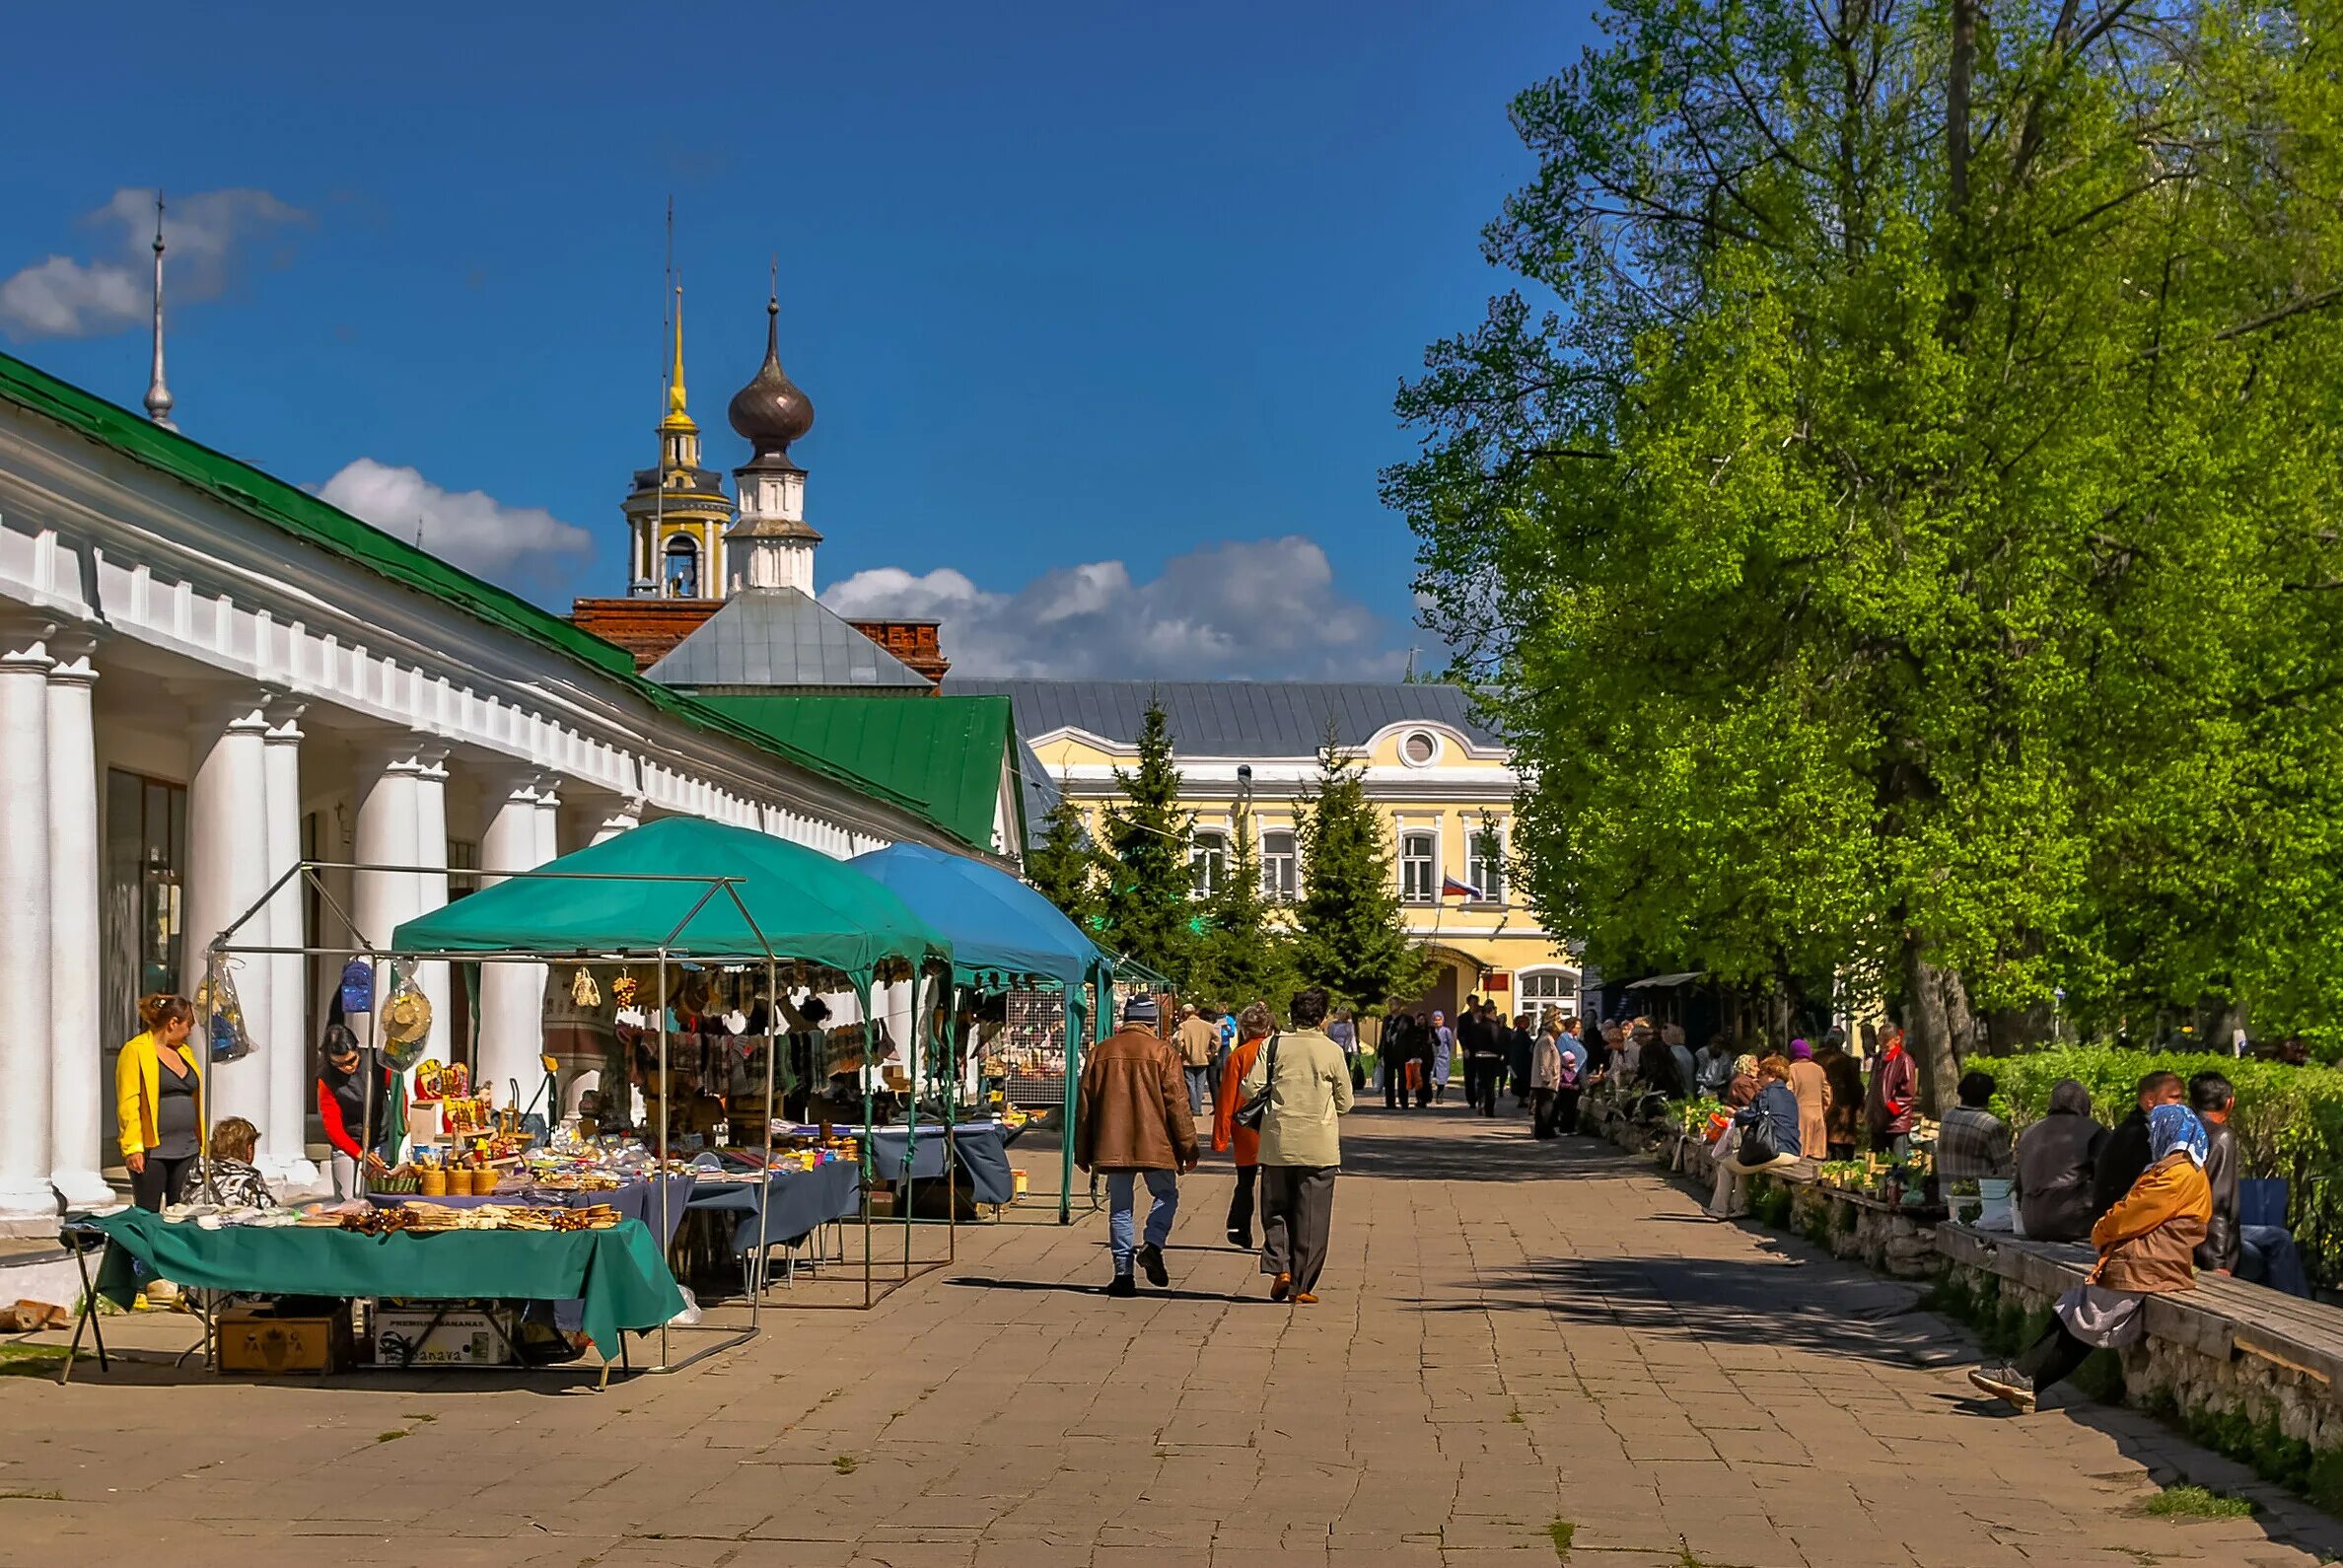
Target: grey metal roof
1231,718
777,639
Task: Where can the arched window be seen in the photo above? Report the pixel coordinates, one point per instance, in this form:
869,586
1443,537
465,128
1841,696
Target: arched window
683,567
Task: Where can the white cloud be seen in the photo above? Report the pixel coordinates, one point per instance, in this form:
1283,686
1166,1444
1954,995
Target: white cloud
1259,608
64,297
524,547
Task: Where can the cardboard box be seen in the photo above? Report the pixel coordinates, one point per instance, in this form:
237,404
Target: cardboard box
255,1341
460,1337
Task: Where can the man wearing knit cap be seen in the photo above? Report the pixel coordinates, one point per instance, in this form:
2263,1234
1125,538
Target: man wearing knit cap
1132,1121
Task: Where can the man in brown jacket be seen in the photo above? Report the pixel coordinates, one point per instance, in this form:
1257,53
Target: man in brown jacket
1133,1120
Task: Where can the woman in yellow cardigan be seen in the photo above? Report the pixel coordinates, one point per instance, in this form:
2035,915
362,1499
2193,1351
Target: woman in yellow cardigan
159,1102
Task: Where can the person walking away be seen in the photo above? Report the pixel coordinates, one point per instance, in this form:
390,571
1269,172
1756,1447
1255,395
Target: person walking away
1574,1078
1521,1043
1388,1054
1712,1068
1422,1044
1229,1136
1197,1037
1812,1088
1893,1099
2125,1154
2056,1160
2147,1243
1483,1056
1300,1148
1842,1120
159,1102
1131,1123
1772,1117
1444,1054
1344,1032
1545,1081
1972,1143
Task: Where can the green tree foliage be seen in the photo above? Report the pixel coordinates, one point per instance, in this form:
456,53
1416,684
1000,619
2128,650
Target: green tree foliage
1247,952
1907,546
1349,937
1064,867
1146,901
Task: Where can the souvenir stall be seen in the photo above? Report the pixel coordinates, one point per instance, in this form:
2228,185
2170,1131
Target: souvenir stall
1003,935
674,894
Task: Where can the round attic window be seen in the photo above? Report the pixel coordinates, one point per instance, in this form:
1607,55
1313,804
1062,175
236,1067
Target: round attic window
1419,749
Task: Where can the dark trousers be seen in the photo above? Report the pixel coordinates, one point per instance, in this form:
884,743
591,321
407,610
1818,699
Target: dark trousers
1241,1206
2051,1358
1481,1073
162,1181
1297,1217
1541,1112
1566,1108
1842,1151
1394,1075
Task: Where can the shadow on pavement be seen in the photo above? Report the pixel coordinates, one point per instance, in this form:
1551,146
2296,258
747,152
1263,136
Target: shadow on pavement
1438,1154
1085,1288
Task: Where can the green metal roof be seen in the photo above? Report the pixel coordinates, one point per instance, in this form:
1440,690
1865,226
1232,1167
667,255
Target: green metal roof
944,752
296,512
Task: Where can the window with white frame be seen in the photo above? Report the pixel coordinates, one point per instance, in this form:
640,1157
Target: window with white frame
1208,862
1418,883
1540,989
1280,867
1484,864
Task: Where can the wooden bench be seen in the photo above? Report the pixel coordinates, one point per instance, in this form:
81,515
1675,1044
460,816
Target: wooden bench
2224,1347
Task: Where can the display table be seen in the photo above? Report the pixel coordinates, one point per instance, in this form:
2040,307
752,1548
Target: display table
619,1274
982,1146
797,1202
632,1200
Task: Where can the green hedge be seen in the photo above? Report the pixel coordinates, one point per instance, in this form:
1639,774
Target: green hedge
2289,1120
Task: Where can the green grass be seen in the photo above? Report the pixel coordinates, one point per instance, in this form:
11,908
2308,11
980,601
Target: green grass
845,1464
1560,1533
31,1360
2196,1502
390,1437
32,1494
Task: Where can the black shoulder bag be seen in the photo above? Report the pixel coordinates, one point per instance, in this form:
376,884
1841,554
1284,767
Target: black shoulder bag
1255,1111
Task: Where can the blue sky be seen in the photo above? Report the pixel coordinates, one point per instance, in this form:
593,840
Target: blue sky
1101,306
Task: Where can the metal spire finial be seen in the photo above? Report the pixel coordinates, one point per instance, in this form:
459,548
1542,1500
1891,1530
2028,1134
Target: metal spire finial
158,396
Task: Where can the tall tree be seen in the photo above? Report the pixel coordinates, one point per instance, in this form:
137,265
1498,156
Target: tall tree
1349,937
1246,950
1064,867
1146,901
1923,489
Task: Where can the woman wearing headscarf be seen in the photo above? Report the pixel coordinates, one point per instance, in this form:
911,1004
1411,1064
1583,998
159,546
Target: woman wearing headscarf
1229,1135
2147,1244
2056,1157
1813,1088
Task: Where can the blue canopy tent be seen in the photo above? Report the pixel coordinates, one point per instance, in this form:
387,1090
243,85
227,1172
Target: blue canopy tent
1003,931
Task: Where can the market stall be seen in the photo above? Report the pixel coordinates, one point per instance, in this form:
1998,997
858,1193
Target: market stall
1003,933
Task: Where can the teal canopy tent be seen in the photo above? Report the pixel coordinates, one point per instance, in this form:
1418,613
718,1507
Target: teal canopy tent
1002,932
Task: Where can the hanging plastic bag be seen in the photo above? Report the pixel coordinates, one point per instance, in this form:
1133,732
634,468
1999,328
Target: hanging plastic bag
405,1023
357,988
216,999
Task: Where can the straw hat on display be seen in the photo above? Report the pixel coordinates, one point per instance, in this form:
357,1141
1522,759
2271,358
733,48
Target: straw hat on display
406,1019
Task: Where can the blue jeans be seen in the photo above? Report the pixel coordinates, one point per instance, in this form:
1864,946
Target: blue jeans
1163,1192
1199,1079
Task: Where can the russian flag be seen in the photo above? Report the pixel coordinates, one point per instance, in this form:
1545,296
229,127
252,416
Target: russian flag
1456,888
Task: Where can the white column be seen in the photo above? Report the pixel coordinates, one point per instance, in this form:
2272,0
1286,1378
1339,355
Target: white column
627,816
512,995
26,1198
79,1100
387,781
548,821
227,858
284,1136
431,892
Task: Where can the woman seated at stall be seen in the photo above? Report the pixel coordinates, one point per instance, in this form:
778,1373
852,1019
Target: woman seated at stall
235,1182
1763,1135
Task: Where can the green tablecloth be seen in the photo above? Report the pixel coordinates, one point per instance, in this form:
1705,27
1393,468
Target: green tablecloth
619,1273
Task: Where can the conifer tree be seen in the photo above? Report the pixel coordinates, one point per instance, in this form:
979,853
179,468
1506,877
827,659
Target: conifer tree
1350,937
1064,867
1147,903
1246,950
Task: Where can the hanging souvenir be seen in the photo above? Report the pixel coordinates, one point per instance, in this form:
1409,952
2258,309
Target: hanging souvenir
216,999
583,991
406,1020
357,988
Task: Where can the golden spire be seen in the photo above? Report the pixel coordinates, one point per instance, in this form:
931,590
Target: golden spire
677,421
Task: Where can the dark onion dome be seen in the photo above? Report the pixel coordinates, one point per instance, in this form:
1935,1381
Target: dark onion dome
772,411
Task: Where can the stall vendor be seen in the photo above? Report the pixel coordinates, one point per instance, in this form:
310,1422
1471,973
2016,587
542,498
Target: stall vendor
159,1102
344,1105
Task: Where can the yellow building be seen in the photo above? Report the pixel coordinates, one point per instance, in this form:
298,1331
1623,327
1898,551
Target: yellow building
1443,782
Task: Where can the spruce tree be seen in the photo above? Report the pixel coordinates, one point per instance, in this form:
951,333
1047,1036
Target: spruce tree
1247,952
1350,939
1064,867
1146,903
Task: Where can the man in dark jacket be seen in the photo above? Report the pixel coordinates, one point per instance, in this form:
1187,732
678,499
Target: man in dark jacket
1476,1037
2211,1097
1131,1123
2124,1155
2057,1162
